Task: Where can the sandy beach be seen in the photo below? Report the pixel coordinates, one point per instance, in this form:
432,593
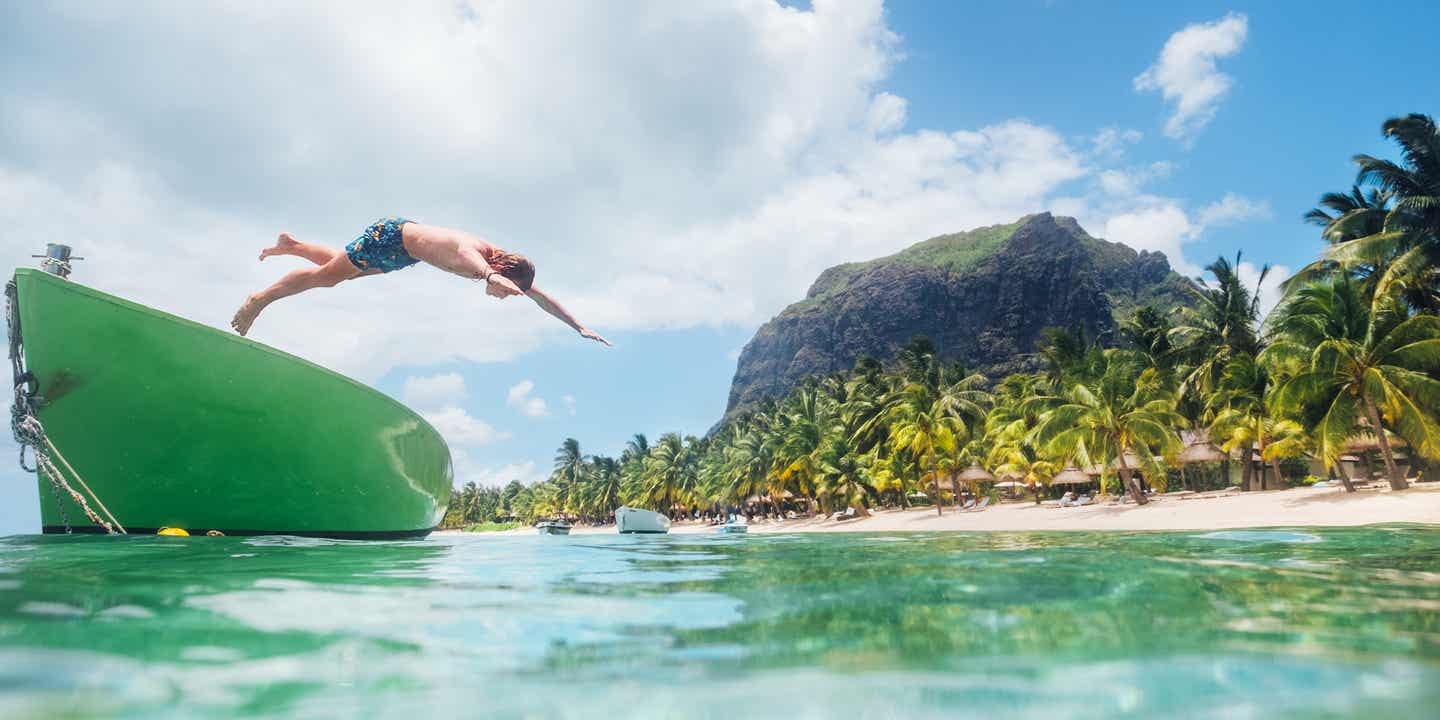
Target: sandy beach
1314,507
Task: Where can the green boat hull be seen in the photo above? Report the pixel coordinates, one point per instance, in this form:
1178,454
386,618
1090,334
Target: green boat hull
176,424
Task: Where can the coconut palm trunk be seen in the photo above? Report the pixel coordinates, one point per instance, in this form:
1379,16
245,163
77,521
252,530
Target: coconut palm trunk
1338,473
935,475
1132,485
1397,482
1274,465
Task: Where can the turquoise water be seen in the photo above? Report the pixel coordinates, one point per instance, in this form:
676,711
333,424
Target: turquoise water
1299,623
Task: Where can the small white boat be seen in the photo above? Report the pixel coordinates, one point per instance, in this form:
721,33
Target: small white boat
736,526
554,527
630,520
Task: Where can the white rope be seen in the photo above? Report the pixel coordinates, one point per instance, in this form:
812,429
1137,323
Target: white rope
33,434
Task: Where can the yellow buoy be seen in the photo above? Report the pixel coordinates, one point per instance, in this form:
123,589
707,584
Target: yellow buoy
179,532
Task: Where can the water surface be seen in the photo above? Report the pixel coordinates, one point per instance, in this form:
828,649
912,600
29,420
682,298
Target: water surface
1297,623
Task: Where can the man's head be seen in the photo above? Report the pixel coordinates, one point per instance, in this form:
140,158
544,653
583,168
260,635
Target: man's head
513,266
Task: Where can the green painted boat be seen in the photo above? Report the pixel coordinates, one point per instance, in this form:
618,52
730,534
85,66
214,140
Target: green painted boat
176,424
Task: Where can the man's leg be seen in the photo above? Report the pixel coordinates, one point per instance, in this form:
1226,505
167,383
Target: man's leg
330,274
288,245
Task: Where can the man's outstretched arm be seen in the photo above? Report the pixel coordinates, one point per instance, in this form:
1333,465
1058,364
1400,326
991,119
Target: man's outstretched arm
549,305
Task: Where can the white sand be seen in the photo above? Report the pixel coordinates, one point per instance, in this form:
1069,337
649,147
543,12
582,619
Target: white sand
1207,511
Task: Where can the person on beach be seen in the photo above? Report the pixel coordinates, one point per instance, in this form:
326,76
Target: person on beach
396,243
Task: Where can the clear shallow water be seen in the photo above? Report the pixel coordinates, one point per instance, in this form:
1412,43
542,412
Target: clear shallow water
1298,623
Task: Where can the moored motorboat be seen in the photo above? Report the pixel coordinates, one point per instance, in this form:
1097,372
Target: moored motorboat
176,424
734,526
630,520
554,527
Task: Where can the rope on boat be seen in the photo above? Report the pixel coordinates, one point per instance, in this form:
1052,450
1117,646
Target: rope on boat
28,431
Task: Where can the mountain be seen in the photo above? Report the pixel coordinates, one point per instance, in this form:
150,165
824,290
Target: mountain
982,296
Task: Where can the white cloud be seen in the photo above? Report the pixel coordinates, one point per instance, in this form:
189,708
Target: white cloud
435,391
1112,141
469,469
1186,75
886,114
1270,291
1148,222
1232,209
518,397
1131,181
461,430
569,401
1161,225
891,193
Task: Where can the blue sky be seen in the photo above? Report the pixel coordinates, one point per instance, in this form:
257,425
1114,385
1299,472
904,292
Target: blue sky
679,171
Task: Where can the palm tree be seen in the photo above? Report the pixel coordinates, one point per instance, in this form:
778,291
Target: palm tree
1240,413
1351,215
924,428
671,472
1352,359
1124,412
1221,325
1020,402
801,428
1068,355
603,490
568,475
745,467
469,507
1405,249
841,479
1148,330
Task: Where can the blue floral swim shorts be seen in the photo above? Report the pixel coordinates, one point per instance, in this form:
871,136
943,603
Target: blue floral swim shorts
381,247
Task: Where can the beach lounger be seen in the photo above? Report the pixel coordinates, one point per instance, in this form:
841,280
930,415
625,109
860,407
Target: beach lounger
974,507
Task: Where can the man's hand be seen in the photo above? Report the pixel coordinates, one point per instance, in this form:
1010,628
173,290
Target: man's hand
591,334
504,285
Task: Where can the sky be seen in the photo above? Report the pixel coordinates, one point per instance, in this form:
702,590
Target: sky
679,172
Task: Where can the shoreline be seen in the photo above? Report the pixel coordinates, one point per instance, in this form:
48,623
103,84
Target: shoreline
1181,511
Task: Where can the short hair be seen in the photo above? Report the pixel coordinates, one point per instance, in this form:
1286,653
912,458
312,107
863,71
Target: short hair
514,266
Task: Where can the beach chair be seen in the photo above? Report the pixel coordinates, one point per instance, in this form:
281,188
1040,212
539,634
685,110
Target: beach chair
968,504
1082,500
977,507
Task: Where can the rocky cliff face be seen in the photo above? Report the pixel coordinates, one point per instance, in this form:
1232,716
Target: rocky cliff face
982,296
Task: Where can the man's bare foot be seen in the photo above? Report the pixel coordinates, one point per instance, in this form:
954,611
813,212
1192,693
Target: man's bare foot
245,316
284,245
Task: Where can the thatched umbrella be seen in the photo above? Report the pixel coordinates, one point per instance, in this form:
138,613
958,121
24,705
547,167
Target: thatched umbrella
975,473
1201,451
1071,475
1132,461
1368,441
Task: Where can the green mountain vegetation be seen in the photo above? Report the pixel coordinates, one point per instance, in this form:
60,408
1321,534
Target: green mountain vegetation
1347,364
984,297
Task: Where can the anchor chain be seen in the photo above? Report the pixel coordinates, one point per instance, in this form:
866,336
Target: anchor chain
28,431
